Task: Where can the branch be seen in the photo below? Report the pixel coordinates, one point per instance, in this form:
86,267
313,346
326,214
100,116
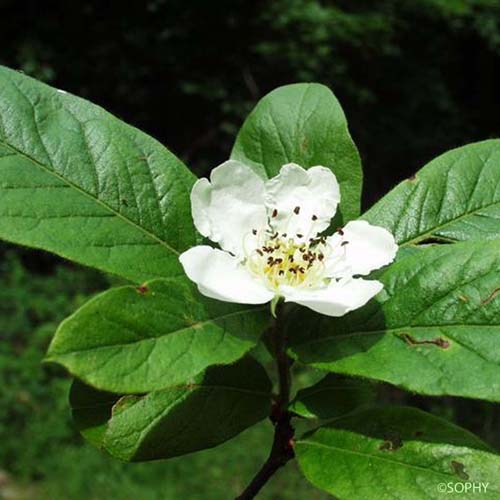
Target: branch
281,453
282,449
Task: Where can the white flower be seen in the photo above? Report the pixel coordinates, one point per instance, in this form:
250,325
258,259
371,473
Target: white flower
268,231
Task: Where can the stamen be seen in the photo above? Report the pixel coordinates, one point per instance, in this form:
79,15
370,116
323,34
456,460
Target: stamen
344,243
275,213
287,261
296,210
314,217
340,231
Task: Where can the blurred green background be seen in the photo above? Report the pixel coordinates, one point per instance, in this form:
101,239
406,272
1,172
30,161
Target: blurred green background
415,78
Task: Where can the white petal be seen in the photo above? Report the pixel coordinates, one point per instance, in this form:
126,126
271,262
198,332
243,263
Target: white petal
220,276
230,206
338,298
361,248
313,193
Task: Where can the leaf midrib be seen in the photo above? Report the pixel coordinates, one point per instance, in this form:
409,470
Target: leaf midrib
188,387
89,195
313,392
195,326
388,330
376,457
430,233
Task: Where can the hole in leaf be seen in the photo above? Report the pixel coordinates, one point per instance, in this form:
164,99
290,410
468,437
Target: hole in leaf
459,469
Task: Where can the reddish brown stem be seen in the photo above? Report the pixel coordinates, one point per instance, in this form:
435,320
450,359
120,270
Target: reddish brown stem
282,449
281,453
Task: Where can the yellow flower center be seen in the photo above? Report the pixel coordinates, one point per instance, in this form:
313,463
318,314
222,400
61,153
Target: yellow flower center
283,261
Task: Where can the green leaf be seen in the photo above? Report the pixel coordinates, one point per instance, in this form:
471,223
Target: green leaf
397,453
135,340
91,409
304,124
455,197
332,396
177,420
434,329
76,181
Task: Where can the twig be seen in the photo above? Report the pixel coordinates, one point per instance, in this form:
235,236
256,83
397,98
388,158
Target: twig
282,449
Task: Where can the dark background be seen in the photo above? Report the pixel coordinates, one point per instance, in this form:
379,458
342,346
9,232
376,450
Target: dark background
415,78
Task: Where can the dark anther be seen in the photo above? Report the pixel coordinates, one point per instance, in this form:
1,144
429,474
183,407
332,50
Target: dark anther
302,270
275,213
340,231
274,236
254,231
260,252
321,257
281,273
296,210
344,243
300,235
279,260
290,258
284,235
314,217
306,257
302,249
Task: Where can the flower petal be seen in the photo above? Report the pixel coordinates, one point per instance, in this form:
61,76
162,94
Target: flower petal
228,207
220,276
302,202
361,248
338,298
